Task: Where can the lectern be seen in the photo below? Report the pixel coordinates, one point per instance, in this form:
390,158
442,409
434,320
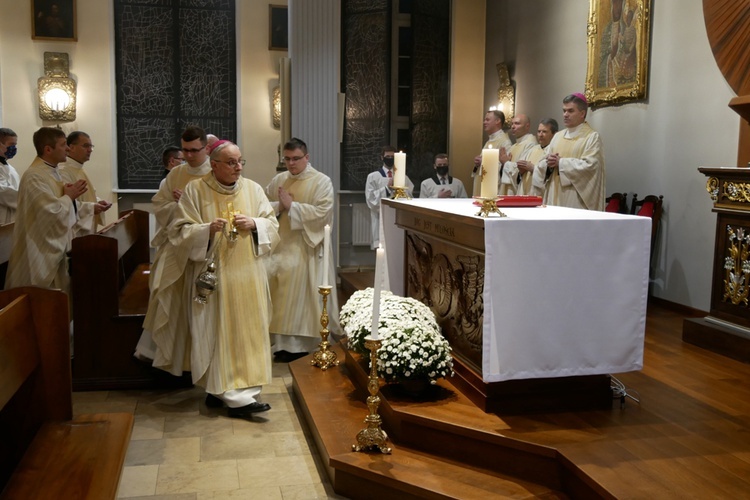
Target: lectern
726,329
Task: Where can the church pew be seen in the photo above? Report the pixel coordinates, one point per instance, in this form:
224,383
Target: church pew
6,244
45,452
109,288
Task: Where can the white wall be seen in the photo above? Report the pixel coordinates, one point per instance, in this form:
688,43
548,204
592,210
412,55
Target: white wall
652,147
259,73
92,66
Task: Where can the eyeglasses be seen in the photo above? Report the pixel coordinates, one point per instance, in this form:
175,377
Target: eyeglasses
293,158
85,146
193,151
232,163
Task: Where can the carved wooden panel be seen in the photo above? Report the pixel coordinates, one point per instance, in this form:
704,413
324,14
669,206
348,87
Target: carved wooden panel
450,280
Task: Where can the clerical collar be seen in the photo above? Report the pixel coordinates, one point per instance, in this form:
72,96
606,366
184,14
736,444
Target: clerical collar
526,137
297,176
574,131
495,135
49,164
73,162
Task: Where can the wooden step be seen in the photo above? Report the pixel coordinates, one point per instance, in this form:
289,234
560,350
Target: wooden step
459,455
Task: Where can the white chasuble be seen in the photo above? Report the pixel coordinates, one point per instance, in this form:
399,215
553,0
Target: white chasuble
295,269
71,172
230,346
580,179
42,231
510,182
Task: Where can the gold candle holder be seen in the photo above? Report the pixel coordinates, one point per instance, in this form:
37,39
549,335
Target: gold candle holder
400,192
372,437
324,357
489,206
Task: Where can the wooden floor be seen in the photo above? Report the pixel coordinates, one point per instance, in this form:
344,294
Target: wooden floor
689,437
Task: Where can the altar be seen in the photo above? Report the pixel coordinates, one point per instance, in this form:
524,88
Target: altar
546,293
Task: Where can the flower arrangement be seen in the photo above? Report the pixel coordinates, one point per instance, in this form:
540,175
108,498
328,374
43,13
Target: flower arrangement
412,345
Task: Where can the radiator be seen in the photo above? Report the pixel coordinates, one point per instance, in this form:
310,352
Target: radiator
361,234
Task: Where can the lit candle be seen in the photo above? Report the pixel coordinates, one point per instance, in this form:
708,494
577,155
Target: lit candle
326,249
490,169
399,169
379,269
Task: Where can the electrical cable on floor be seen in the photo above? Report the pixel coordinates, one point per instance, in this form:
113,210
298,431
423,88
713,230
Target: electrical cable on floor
619,391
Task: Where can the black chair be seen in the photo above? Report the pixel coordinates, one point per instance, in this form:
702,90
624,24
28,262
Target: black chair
650,206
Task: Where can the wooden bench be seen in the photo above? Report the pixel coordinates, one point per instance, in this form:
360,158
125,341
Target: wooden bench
109,288
6,244
45,452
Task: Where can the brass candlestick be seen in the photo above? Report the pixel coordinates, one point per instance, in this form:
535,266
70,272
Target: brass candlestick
372,436
489,206
324,358
400,192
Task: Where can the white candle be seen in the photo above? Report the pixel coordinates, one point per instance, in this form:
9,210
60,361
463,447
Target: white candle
490,170
379,268
399,169
326,250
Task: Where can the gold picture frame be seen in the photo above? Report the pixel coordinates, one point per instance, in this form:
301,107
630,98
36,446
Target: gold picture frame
54,20
618,51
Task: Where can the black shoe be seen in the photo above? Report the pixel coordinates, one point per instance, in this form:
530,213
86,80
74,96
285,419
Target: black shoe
296,355
288,357
248,410
213,402
281,356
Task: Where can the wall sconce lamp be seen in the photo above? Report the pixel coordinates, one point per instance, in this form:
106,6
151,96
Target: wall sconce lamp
57,91
276,107
506,95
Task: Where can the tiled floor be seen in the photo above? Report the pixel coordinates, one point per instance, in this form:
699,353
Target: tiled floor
181,450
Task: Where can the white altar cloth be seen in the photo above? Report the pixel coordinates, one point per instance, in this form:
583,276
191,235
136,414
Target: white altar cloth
565,290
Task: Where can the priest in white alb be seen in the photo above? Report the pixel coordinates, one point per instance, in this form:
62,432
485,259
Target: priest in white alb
518,163
89,207
226,219
162,276
573,174
45,217
494,121
303,200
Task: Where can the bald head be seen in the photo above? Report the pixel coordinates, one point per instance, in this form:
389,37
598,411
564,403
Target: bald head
520,126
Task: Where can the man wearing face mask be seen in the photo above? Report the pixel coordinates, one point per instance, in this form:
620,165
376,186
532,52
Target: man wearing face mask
442,185
378,186
9,179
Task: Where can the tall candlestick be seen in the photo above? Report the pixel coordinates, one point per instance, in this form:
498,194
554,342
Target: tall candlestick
379,268
326,250
399,169
490,171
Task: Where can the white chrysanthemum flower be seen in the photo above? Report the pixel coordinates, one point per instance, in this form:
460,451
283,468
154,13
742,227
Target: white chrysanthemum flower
412,345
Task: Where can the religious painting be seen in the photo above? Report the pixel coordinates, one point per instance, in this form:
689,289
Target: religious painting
618,51
278,28
53,20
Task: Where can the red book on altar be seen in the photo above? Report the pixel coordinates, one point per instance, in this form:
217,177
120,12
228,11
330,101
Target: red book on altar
515,201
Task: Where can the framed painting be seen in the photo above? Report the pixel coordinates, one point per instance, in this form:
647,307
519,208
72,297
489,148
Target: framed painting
278,28
53,20
618,51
